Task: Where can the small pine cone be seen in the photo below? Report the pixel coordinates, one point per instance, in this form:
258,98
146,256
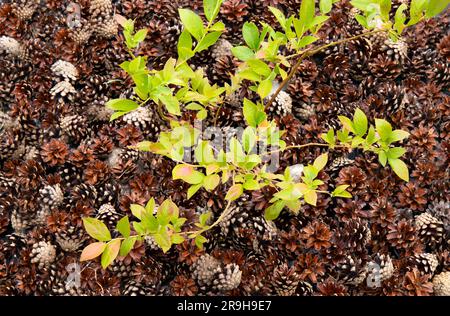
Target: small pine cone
54,152
379,270
304,289
430,230
70,174
396,50
441,210
183,286
441,284
402,234
355,234
100,8
440,73
107,29
338,163
24,9
65,70
305,111
385,68
51,195
43,253
107,193
142,118
351,270
226,278
71,239
204,269
284,280
426,263
136,288
151,243
63,89
12,47
234,11
221,49
282,105
107,214
81,32
84,192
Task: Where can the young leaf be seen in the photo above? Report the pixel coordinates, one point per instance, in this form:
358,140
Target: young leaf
279,16
211,182
193,189
248,139
177,239
360,122
325,6
96,229
307,12
137,210
110,253
273,211
320,162
140,35
92,251
346,123
252,114
383,128
251,35
310,197
395,152
123,226
203,219
163,241
264,88
171,103
398,135
399,168
126,246
211,8
123,105
234,192
192,22
209,40
382,158
243,53
185,45
259,67
435,7
199,241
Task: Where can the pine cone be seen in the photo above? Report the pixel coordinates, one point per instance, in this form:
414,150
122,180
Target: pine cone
441,284
12,47
282,105
426,263
402,234
284,280
51,195
43,253
430,230
70,240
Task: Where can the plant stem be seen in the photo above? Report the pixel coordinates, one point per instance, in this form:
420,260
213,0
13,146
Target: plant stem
308,53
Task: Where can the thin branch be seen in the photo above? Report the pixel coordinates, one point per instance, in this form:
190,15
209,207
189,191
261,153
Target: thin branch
308,53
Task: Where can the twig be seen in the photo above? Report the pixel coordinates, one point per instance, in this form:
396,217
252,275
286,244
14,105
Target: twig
309,53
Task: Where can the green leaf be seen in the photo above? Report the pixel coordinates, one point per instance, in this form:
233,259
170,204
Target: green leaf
110,253
203,219
171,103
360,122
185,45
362,20
218,26
193,189
435,7
325,6
279,16
346,123
251,185
399,168
211,8
395,152
307,9
209,40
126,246
211,182
320,162
264,88
249,139
273,211
96,229
307,40
137,210
400,18
382,158
123,226
398,135
199,241
177,239
259,67
252,114
192,22
234,192
123,105
163,241
329,137
383,128
116,115
310,197
242,53
92,251
140,35
251,35
236,153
